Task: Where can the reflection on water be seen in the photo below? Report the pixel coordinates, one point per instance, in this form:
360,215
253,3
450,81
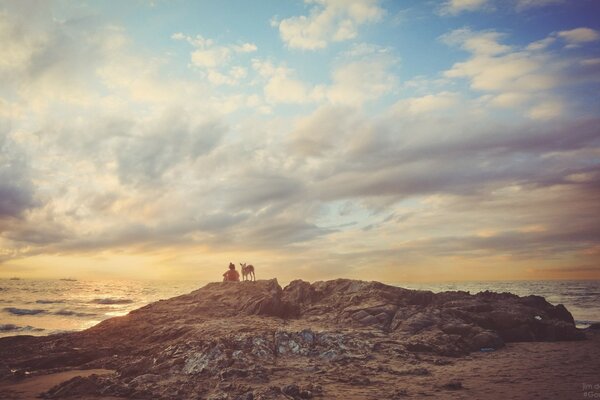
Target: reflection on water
41,307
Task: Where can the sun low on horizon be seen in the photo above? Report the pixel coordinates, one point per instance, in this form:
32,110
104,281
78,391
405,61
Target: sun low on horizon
398,141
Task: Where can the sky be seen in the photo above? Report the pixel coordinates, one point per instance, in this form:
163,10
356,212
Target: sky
389,140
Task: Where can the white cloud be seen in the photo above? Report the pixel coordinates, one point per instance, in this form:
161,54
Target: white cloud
328,20
483,43
18,48
429,103
546,109
541,44
245,48
281,85
215,59
211,58
510,99
575,37
512,72
454,7
497,67
523,78
357,82
361,76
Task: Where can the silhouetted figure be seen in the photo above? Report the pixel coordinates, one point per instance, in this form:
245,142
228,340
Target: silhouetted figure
232,275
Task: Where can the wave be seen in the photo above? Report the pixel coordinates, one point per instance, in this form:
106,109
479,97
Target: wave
68,279
112,301
584,323
16,328
24,311
43,301
69,313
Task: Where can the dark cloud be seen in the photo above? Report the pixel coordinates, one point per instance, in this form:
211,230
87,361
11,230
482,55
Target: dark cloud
275,233
144,157
532,245
403,156
16,190
255,190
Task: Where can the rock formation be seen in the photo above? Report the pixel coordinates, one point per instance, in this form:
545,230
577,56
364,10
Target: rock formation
255,340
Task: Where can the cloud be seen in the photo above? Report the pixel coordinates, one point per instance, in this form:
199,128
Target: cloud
529,75
214,59
575,37
45,59
16,189
404,154
281,84
152,150
522,5
480,43
137,156
323,132
328,20
454,7
358,81
547,110
360,77
430,103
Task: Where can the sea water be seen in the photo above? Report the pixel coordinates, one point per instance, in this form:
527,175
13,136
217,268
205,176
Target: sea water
42,307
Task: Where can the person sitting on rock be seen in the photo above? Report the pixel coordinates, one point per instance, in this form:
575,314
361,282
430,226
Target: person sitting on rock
232,275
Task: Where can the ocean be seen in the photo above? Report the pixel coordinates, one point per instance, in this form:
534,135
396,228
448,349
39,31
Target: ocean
43,307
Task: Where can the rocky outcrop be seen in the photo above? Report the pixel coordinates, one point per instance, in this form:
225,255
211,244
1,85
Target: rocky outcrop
241,340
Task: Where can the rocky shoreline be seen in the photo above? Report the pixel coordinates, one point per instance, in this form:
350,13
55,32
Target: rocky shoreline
256,340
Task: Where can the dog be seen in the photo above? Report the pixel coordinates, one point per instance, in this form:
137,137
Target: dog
248,270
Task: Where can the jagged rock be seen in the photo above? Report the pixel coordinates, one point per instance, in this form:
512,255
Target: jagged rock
226,340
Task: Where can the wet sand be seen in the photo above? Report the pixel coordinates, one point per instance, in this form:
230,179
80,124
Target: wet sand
32,387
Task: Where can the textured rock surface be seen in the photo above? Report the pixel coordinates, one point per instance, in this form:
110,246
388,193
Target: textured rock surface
248,340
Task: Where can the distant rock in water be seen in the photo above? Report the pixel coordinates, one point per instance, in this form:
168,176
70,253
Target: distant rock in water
229,340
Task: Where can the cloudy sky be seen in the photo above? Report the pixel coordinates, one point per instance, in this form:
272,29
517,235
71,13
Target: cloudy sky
377,139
